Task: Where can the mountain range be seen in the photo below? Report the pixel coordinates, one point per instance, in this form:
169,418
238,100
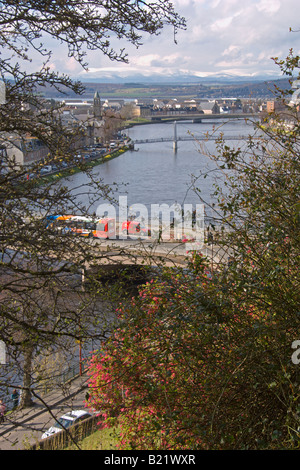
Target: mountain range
178,78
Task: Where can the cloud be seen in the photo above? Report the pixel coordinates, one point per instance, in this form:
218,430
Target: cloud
232,36
232,50
222,23
146,60
71,65
269,6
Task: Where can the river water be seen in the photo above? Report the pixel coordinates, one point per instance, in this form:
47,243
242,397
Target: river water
154,173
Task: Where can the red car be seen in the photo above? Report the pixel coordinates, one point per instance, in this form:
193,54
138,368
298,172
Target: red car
132,227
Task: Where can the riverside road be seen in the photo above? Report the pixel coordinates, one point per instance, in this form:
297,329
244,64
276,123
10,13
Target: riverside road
24,428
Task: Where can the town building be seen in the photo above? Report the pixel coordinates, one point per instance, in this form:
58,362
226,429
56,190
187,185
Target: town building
211,107
24,151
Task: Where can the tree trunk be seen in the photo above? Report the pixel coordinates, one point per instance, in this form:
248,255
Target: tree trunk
26,400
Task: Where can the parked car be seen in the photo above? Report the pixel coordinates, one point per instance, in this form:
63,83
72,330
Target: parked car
65,421
45,169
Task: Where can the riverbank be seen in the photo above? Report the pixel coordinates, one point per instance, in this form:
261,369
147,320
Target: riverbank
64,173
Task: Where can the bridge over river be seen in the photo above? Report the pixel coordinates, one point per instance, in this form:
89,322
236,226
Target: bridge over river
204,137
198,117
119,254
186,138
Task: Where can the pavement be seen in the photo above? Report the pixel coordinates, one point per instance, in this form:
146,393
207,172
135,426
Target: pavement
23,428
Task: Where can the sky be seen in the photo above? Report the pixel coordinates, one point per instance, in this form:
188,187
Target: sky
223,37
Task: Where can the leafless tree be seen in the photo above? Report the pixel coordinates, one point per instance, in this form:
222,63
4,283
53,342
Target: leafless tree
42,300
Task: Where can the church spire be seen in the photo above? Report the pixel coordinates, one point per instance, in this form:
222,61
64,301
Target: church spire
97,105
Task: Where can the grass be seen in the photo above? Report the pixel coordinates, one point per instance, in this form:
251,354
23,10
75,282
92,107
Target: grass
104,439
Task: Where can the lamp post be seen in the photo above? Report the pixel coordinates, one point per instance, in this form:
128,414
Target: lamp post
2,92
210,241
2,353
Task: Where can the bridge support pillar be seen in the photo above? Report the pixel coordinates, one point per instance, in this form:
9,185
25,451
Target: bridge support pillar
175,137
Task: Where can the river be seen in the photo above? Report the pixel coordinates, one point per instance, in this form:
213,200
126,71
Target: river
156,174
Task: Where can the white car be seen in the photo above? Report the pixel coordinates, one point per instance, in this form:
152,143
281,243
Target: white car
46,169
65,421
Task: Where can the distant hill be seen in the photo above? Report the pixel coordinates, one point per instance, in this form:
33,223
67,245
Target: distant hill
202,89
264,89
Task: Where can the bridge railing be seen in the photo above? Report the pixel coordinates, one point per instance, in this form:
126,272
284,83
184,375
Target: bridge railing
182,139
